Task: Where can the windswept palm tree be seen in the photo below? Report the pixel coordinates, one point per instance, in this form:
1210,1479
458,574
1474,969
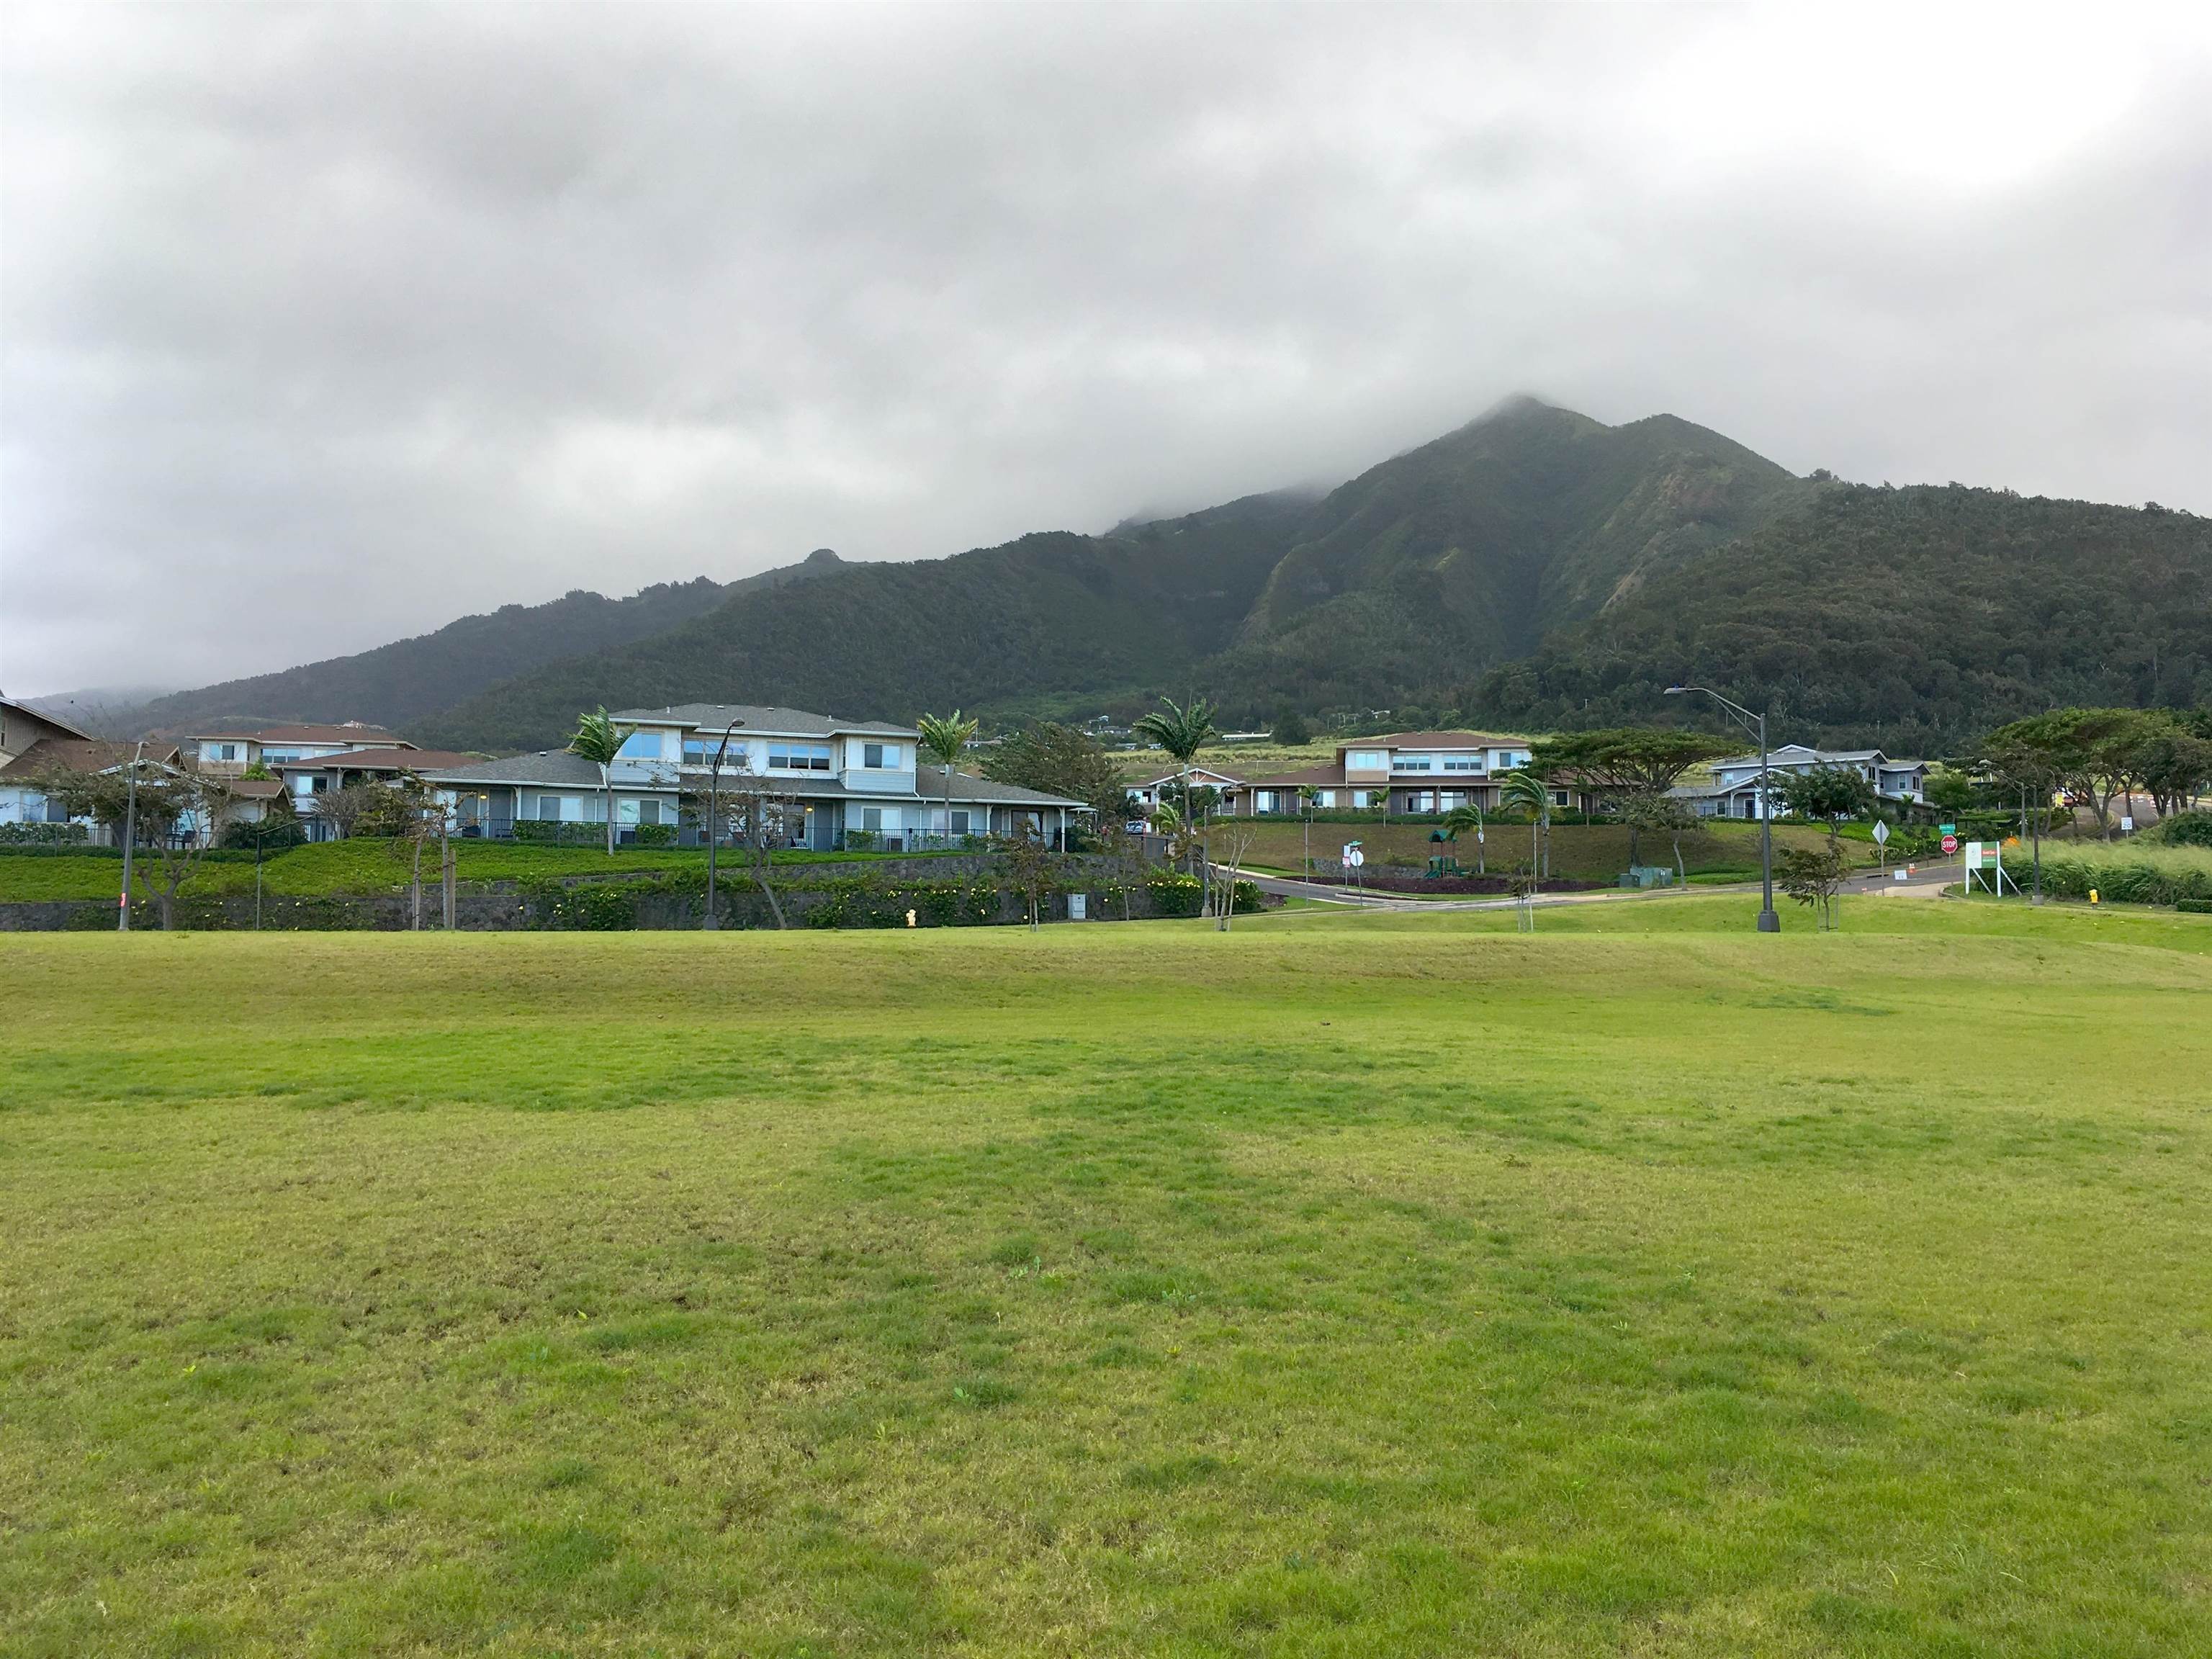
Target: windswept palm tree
1526,791
945,739
1468,817
1182,733
599,740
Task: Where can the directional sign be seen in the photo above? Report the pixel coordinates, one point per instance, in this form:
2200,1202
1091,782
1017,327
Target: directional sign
1948,829
1880,833
1950,843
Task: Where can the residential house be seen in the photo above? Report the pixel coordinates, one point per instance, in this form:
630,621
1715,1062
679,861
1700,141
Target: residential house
228,754
848,784
22,801
1405,771
308,778
1148,794
1734,789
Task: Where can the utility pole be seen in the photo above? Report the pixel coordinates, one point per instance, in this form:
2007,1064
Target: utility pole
445,870
714,921
1768,921
130,835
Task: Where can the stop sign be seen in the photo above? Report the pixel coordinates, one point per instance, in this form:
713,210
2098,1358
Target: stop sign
1950,843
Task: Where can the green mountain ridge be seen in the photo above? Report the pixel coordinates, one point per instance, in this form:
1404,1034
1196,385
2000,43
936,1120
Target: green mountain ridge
1534,567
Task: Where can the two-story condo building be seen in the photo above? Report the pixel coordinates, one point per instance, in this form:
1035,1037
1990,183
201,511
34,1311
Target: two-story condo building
226,754
848,783
1411,772
1735,793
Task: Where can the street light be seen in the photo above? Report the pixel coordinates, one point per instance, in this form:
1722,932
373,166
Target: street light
1768,921
714,819
130,835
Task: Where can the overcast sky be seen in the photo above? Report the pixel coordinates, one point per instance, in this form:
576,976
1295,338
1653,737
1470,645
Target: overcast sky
322,326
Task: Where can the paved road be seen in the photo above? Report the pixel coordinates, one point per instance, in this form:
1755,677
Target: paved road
1926,881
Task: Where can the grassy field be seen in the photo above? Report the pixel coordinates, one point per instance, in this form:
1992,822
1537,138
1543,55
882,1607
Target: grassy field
1346,1284
368,866
1591,852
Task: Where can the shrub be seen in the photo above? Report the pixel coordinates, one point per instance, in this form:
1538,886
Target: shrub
654,835
2195,907
2187,829
42,835
2134,873
1173,893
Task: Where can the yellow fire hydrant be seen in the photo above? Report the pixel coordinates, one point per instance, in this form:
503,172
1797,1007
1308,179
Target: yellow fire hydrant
2092,896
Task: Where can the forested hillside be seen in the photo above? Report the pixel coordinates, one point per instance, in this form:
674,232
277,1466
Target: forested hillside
1534,569
1074,614
396,685
1912,618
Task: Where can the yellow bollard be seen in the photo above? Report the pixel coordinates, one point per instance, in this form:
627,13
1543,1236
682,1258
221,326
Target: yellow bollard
2092,896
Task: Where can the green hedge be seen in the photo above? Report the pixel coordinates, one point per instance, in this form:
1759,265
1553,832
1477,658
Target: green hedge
2119,883
2196,907
18,837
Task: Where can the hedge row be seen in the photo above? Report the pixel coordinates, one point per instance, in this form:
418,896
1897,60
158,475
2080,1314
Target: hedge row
2123,884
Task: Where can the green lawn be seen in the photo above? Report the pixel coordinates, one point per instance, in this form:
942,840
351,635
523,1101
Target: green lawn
1346,1285
1588,852
368,866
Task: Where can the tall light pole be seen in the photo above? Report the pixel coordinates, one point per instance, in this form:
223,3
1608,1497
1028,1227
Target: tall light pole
714,820
130,835
1768,921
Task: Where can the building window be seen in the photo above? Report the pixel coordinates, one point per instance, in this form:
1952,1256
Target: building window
1462,763
1415,763
648,811
960,824
1558,798
642,746
549,809
872,817
798,756
1365,760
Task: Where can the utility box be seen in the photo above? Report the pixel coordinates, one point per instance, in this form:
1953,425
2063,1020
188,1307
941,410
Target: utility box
1078,906
1648,875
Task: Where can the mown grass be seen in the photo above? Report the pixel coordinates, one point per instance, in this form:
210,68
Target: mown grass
368,865
1588,852
1344,1285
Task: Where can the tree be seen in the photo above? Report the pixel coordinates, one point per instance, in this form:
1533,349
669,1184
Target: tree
1830,793
277,829
1632,764
414,817
599,740
1662,815
1950,789
346,808
1466,817
1523,791
1813,876
943,740
756,818
1290,729
1182,732
1032,867
1236,846
1309,798
173,818
2088,750
1061,760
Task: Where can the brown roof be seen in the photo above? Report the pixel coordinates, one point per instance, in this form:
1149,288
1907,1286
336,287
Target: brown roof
409,759
83,755
350,731
254,788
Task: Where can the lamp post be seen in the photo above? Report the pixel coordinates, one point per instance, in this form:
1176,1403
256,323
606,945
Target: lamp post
714,820
1768,921
130,835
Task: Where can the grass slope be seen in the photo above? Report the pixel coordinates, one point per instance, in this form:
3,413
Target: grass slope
1645,1286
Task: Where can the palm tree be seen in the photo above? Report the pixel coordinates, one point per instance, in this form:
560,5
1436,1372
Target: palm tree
1468,817
945,738
1182,733
1526,791
1309,798
599,740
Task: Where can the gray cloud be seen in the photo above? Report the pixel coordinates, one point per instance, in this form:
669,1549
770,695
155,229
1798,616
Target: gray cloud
322,326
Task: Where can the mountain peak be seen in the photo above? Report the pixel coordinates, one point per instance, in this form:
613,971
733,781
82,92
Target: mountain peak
822,555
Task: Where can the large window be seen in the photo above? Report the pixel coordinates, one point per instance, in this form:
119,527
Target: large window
642,746
799,757
872,817
1462,763
1413,764
549,809
872,755
1365,760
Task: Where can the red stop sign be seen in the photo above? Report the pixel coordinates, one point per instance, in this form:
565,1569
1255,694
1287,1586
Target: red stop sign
1950,843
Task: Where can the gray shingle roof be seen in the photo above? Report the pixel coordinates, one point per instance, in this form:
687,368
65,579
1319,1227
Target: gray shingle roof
929,784
774,722
555,766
